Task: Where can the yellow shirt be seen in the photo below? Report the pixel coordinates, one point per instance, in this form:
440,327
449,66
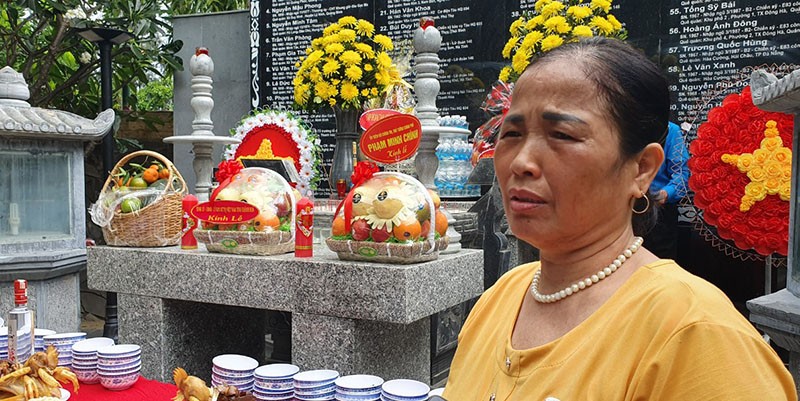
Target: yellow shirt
664,335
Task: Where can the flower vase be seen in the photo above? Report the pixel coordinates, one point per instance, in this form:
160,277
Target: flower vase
344,153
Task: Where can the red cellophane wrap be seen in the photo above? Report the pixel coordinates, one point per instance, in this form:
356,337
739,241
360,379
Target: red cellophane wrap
227,169
496,105
189,223
304,234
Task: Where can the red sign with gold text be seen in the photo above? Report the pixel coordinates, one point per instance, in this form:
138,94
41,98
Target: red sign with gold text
225,211
372,116
392,139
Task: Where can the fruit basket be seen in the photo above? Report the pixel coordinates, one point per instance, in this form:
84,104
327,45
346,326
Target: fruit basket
271,232
392,219
140,203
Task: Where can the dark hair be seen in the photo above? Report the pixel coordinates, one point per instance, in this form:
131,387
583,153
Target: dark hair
635,91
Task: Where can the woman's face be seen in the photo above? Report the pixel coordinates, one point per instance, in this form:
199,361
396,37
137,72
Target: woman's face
558,161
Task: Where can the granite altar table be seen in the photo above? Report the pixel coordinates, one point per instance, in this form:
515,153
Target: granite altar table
185,307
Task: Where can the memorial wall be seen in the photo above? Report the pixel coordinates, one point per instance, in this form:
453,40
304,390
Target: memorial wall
698,43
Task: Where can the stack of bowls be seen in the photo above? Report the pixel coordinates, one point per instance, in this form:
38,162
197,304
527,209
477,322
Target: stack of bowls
63,344
233,370
118,366
23,339
84,358
404,390
437,391
358,388
315,385
3,342
38,339
275,382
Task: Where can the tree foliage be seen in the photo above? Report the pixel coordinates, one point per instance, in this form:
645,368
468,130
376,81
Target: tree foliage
39,39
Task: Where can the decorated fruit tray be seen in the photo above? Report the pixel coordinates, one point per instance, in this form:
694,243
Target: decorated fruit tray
387,252
246,242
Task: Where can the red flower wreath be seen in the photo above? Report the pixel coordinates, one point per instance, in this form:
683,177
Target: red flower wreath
737,127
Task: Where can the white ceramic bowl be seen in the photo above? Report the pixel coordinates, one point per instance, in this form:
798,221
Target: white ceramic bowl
406,388
315,378
232,374
276,371
64,338
359,384
275,385
91,345
315,391
119,382
119,351
88,376
287,395
118,368
233,363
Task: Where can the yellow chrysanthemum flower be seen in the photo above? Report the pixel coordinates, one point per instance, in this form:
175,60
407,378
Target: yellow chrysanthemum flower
322,90
347,35
350,57
383,60
347,20
552,9
521,60
384,42
349,92
315,75
505,73
330,29
332,101
604,5
532,38
364,92
368,67
326,40
365,49
553,23
614,22
365,28
301,94
582,31
315,56
373,91
510,46
298,79
353,73
316,43
579,12
330,67
514,28
602,24
334,48
383,78
551,42
540,4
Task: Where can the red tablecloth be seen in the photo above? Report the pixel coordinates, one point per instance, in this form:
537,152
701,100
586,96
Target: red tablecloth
142,390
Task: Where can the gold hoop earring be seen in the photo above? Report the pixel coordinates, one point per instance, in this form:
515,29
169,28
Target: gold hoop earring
646,206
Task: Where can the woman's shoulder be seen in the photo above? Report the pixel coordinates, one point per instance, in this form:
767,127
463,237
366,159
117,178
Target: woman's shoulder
684,297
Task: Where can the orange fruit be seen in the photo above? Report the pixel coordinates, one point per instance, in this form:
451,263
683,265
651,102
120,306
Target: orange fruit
441,223
338,227
407,231
262,221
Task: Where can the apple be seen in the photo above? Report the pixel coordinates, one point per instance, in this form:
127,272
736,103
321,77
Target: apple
360,230
381,234
425,229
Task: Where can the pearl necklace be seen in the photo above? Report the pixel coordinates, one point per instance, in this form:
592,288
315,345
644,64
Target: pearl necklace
587,282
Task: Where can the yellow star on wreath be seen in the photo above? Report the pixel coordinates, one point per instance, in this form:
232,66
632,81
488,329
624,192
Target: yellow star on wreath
769,168
264,152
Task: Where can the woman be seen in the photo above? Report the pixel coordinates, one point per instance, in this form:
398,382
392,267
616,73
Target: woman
599,317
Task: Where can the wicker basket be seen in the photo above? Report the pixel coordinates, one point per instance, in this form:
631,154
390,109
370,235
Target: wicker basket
383,252
158,223
246,242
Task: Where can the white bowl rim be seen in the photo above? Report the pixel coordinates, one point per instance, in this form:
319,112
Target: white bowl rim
277,371
62,336
359,382
319,376
37,332
236,362
115,350
92,344
406,388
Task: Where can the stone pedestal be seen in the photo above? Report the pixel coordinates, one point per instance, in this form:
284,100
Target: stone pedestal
184,307
778,314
